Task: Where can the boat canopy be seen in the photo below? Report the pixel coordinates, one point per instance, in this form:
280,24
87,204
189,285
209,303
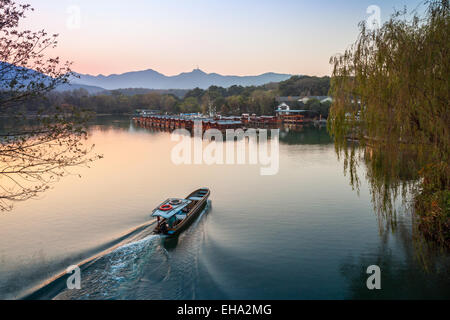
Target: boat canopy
175,208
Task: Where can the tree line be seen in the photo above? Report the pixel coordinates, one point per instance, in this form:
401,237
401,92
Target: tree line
235,100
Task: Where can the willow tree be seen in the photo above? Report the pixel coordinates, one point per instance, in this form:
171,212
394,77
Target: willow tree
33,152
391,95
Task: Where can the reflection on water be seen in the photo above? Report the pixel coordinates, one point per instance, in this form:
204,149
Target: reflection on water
402,275
300,234
305,135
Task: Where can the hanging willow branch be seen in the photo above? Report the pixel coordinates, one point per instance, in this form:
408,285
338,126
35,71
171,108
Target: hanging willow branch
391,94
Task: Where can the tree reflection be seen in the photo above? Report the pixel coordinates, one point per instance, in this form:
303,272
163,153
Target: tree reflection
403,276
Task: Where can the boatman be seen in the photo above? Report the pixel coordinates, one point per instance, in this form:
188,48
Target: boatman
163,228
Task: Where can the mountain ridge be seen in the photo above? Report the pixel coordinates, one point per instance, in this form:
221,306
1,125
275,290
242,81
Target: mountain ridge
153,79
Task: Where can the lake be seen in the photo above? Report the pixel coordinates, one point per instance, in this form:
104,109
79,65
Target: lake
302,233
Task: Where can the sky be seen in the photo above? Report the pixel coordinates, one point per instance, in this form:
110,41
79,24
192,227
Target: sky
230,37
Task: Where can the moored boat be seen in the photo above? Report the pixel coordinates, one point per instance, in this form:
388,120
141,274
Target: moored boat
174,215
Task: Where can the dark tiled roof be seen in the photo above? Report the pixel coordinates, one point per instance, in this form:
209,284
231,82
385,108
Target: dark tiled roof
287,99
320,98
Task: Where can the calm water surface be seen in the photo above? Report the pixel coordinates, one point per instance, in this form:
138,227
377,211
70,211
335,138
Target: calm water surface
300,234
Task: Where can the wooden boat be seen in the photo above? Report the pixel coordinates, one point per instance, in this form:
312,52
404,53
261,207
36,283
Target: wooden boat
174,215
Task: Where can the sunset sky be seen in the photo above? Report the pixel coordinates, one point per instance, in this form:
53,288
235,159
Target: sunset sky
228,37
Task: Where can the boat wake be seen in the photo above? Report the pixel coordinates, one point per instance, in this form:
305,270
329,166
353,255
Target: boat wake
143,266
114,275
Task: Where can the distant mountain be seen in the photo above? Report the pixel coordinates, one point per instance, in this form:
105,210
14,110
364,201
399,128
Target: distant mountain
144,80
73,86
14,77
152,79
26,76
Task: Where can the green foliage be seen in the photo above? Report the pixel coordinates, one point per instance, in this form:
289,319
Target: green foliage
190,105
322,109
305,86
